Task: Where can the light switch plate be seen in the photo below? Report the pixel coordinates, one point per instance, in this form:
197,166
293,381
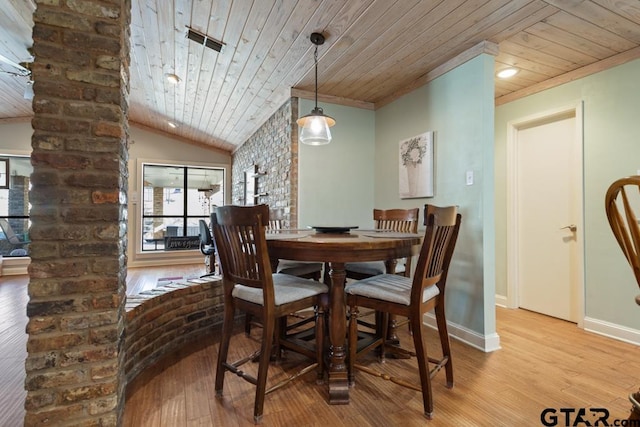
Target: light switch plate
469,177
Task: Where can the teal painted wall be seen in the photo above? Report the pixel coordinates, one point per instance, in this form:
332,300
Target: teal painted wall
335,181
611,105
458,107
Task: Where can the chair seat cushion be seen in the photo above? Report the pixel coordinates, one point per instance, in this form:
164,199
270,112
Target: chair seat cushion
372,268
286,289
298,268
389,287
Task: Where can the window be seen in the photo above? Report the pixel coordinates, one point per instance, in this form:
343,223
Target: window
15,173
4,172
174,199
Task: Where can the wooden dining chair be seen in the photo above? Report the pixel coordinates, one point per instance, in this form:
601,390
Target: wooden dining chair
398,220
307,270
394,220
250,285
399,295
621,198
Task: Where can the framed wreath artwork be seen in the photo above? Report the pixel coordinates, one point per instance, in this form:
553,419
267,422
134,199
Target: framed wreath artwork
416,166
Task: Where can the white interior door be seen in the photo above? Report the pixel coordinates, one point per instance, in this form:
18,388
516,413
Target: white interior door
548,216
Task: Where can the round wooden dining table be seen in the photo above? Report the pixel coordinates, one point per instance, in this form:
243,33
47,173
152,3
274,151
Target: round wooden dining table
336,249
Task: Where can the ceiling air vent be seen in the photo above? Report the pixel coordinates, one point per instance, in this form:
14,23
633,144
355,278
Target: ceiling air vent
205,40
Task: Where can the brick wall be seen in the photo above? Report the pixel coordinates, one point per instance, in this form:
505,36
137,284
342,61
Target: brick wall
164,319
273,150
78,264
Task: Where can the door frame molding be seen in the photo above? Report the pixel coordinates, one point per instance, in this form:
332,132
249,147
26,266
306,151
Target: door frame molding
513,127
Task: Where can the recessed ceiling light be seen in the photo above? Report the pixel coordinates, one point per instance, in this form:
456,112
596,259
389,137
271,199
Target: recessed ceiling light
172,125
173,78
507,72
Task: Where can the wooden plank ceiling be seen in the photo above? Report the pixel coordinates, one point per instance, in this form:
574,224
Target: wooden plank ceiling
375,51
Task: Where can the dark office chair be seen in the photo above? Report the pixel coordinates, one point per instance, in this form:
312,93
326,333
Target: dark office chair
207,248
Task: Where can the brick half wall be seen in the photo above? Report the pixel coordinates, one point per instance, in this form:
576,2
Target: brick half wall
166,318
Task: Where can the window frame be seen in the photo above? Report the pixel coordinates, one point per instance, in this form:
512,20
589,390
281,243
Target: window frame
8,155
4,172
137,199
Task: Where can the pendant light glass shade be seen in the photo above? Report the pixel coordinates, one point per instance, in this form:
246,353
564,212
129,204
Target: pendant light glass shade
28,91
314,127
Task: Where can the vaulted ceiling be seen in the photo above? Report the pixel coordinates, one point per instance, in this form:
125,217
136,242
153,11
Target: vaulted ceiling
375,51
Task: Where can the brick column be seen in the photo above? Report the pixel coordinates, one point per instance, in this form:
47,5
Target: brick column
78,269
274,148
293,179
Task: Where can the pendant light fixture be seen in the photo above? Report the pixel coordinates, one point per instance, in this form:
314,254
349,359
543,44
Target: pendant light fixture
314,127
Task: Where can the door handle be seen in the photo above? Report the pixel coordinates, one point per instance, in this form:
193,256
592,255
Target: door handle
573,228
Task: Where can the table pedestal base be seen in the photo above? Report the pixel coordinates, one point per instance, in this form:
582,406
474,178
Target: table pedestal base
339,389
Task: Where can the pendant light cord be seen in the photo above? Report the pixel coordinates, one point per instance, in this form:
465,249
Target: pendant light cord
315,58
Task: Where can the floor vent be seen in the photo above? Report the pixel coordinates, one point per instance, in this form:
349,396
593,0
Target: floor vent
205,40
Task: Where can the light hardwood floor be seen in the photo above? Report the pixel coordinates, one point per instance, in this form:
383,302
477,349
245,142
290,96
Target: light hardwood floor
543,363
13,338
13,349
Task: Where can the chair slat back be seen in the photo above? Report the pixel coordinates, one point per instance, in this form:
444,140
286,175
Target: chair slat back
441,234
275,219
239,236
400,220
619,200
275,224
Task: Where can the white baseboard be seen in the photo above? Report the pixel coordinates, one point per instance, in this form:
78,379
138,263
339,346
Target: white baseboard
157,259
485,343
600,327
14,266
501,301
612,330
489,343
